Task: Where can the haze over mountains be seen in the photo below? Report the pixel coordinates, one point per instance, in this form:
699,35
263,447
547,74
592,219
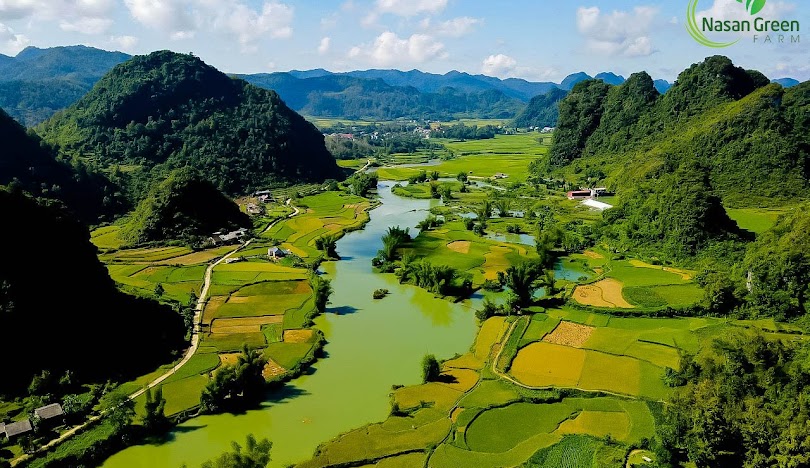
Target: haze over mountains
39,82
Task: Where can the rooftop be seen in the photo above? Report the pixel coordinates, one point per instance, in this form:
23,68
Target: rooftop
17,428
49,411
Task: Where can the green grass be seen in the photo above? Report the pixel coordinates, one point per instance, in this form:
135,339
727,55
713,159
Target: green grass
634,276
199,364
287,355
106,237
375,441
501,429
756,220
184,394
235,341
578,451
76,446
490,393
539,327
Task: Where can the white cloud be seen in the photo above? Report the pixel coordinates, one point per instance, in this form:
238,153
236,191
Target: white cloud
83,16
410,7
10,42
405,8
498,65
324,45
124,43
86,25
619,32
456,27
183,19
733,10
389,49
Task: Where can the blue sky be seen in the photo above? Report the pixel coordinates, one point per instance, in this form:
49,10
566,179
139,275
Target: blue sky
538,40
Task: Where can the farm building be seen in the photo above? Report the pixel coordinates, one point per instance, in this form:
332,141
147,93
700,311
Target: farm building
18,428
50,414
578,194
232,237
276,252
254,209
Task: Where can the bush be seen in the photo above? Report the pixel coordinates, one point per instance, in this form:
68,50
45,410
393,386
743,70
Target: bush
380,293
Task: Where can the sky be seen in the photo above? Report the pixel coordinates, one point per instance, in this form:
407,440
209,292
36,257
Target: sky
538,40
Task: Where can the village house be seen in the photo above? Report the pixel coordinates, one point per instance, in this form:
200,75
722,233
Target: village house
219,238
254,209
50,415
275,253
18,428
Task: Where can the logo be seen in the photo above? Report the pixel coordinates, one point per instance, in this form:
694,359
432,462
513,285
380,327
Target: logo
768,31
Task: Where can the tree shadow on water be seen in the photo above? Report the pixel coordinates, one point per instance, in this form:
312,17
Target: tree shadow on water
343,310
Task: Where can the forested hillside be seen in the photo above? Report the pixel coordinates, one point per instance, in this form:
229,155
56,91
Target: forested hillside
59,307
39,82
165,110
30,165
542,111
356,98
184,207
720,134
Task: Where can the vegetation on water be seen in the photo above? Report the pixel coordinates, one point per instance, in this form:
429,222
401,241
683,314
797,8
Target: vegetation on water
255,454
183,207
236,386
431,369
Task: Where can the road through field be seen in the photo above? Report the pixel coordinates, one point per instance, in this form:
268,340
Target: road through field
195,342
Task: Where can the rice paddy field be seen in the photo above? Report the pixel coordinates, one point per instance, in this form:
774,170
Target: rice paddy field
329,213
256,302
507,154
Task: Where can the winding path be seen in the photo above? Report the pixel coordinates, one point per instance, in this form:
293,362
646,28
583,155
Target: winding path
195,343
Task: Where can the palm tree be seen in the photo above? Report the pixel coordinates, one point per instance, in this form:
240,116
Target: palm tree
485,211
522,281
503,205
321,290
328,245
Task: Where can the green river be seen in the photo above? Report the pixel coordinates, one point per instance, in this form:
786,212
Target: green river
372,345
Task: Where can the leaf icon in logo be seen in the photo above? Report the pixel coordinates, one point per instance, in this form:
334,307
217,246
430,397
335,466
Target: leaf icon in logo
753,6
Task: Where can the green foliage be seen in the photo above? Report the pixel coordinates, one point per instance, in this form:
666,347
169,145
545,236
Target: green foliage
580,114
119,409
236,386
431,370
380,293
358,98
184,206
154,418
28,164
73,319
429,223
742,405
779,264
255,454
167,110
361,183
464,132
321,290
523,280
542,111
751,137
328,245
437,279
392,240
677,214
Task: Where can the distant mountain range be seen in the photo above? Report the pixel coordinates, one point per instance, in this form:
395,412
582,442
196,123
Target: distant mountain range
39,82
